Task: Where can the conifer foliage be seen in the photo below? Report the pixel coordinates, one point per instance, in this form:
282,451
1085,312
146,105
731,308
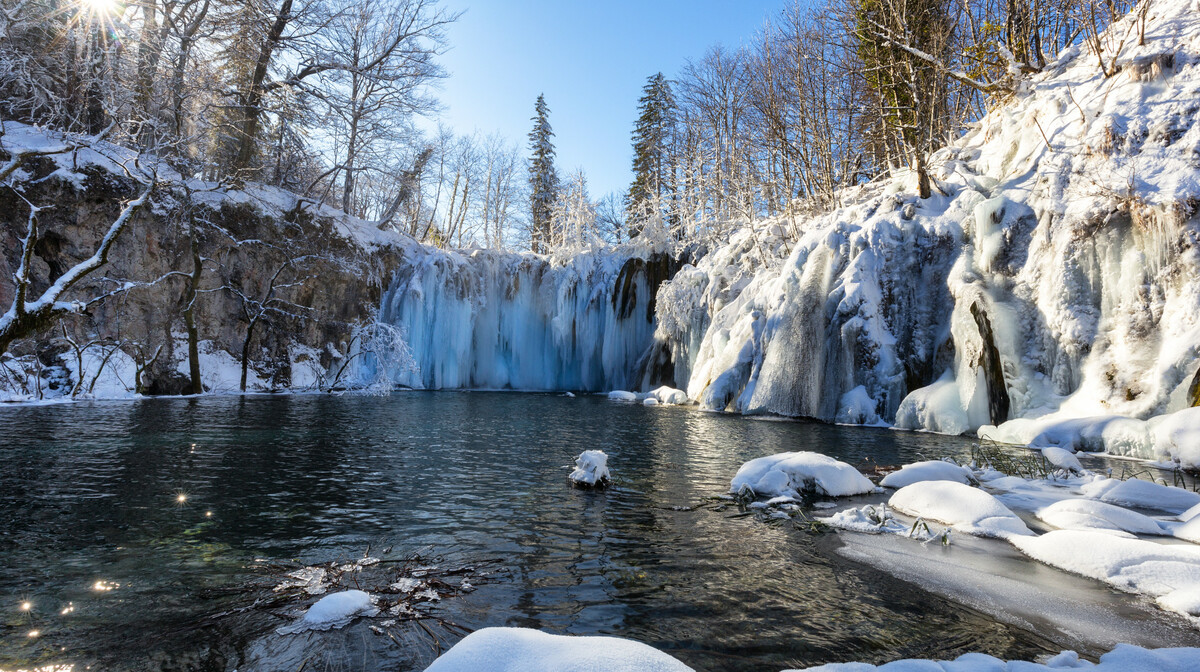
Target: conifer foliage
652,159
543,178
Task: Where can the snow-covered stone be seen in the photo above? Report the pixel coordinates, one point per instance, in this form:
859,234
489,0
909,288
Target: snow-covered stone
526,650
622,395
591,468
962,507
334,611
1063,459
791,474
930,470
1124,658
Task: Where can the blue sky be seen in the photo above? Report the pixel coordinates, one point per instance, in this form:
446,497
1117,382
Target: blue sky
590,58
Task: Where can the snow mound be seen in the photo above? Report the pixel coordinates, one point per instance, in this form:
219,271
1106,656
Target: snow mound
1189,531
932,470
1169,573
1142,494
962,507
1124,658
333,611
622,395
591,468
790,474
1063,459
525,650
1087,514
669,395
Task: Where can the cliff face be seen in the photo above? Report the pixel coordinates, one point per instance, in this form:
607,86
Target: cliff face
311,277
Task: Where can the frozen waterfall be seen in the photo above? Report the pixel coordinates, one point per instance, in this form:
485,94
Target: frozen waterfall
497,320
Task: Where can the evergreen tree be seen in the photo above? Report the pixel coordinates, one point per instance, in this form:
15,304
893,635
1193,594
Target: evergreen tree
652,167
543,180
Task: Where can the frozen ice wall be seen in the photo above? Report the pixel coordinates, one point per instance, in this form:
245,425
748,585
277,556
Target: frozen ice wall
499,320
1055,270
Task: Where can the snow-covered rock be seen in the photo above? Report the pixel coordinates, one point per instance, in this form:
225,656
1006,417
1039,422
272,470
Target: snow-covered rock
1087,514
962,507
1124,658
669,395
1141,494
622,395
1170,573
525,650
930,470
334,611
791,474
591,468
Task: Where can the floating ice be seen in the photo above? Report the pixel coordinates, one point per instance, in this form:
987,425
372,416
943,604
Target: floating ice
790,474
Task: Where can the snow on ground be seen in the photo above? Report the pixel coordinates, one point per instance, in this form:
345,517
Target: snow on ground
333,611
1086,514
1170,573
1124,658
526,650
930,470
793,474
591,468
960,506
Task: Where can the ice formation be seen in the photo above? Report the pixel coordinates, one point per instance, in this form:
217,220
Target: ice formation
1047,292
791,474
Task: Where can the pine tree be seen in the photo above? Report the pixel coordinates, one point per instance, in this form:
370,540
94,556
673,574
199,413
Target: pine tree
543,180
652,173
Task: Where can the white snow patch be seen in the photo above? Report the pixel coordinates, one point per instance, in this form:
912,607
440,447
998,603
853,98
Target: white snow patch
1087,514
622,395
962,507
1124,658
526,650
1141,494
931,470
333,611
790,474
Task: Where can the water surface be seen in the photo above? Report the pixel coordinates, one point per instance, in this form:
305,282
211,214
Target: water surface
89,493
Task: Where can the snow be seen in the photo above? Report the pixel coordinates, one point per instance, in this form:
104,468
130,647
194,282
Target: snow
1134,565
1141,494
931,470
591,468
1124,658
960,506
1086,514
622,395
334,611
526,650
669,395
1063,459
791,474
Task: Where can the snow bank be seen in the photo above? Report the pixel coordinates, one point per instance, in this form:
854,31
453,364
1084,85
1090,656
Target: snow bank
932,470
1141,494
1173,437
962,507
1124,658
525,650
591,468
1086,514
1063,459
791,474
1170,573
334,611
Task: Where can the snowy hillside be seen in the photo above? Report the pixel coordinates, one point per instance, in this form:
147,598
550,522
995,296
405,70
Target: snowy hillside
1054,274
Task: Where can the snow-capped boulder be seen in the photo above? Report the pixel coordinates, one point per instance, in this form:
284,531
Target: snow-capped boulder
1087,514
334,611
1141,494
791,474
526,650
591,468
962,507
930,470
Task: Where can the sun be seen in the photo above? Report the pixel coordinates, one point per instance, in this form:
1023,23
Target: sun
101,7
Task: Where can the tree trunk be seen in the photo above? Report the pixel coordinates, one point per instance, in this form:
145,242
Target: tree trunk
246,351
189,316
924,189
253,97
